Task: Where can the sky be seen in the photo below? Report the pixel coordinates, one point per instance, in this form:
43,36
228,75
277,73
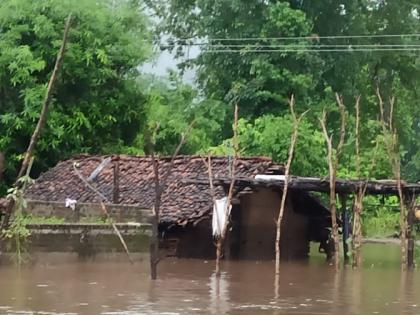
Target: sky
165,61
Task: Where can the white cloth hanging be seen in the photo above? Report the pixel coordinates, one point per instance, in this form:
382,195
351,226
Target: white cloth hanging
219,216
71,203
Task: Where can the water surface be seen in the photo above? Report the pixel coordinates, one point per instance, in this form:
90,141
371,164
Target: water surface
189,287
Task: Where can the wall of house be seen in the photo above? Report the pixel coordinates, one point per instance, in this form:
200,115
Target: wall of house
88,211
190,241
254,229
252,234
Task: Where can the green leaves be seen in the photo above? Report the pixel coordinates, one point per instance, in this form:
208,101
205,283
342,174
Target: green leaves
96,103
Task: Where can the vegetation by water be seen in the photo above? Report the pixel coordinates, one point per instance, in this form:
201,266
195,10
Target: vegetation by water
105,103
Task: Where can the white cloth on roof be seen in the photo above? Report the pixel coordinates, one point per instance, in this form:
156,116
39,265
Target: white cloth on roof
219,216
270,177
71,203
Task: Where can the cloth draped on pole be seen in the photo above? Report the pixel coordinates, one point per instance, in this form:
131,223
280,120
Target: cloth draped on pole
219,216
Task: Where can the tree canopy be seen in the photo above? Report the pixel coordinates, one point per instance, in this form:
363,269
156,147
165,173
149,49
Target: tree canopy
97,104
261,52
254,53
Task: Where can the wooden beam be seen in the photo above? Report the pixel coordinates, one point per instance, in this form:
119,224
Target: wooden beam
315,184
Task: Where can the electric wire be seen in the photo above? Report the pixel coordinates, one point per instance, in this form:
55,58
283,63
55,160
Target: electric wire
314,37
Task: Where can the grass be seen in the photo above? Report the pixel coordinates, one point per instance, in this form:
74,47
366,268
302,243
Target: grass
31,219
382,224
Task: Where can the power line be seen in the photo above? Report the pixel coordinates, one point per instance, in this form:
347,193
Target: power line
304,50
292,46
312,37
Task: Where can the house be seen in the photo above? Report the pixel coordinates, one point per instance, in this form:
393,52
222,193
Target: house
186,210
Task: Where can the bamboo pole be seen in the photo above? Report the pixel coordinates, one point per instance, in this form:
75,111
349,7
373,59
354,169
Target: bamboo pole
42,119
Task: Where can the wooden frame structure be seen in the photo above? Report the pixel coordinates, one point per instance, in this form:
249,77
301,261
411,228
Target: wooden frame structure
344,187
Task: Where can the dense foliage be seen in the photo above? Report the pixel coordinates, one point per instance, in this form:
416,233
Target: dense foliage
97,104
264,80
104,104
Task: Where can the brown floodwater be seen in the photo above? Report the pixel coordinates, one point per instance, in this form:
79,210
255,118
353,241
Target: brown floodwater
190,287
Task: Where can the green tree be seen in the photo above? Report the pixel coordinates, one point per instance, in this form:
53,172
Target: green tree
174,105
97,104
262,81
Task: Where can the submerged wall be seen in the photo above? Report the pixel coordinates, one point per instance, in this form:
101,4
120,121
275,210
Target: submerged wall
84,233
84,240
88,211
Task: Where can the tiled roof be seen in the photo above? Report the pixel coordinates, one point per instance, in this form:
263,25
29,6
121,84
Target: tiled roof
181,202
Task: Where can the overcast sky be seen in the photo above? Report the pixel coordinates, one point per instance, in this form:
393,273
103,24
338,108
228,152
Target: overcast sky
166,61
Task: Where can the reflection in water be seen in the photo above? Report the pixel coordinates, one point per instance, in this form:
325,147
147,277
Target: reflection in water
219,299
190,287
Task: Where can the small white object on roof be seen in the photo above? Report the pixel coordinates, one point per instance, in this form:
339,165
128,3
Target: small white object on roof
71,203
219,216
270,177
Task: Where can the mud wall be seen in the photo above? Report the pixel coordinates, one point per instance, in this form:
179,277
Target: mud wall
253,234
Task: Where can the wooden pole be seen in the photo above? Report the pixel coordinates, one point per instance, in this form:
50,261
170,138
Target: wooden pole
410,205
392,146
104,210
42,120
333,162
222,237
293,138
116,186
159,185
154,242
346,227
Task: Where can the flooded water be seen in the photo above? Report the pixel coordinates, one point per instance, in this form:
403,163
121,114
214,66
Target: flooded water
189,287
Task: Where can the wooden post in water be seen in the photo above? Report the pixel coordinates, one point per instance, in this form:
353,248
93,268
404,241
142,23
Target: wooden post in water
346,227
410,201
